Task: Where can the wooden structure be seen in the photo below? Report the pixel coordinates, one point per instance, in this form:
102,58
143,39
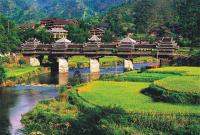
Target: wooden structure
26,26
57,22
94,49
97,31
58,33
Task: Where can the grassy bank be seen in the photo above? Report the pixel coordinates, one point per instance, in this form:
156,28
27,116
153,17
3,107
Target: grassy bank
83,62
108,61
19,74
16,71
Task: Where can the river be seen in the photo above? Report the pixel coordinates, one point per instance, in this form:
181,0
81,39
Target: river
18,100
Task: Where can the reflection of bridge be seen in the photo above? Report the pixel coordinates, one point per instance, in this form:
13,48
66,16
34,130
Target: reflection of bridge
61,50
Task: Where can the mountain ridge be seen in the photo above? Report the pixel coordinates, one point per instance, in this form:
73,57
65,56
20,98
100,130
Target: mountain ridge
25,11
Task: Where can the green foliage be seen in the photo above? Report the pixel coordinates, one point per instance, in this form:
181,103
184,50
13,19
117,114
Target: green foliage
182,84
9,38
117,120
185,42
77,34
3,59
50,117
136,77
2,75
40,33
18,71
189,18
62,89
22,61
165,95
127,95
23,11
108,36
183,70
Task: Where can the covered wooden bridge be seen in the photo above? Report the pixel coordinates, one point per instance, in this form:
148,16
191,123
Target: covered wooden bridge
61,50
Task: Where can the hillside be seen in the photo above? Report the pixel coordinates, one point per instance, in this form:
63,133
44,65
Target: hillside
33,10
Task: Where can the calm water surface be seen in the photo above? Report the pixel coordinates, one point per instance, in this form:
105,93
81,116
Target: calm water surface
18,100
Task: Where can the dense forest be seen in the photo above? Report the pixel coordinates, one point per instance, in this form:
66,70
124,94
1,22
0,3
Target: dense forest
182,17
22,11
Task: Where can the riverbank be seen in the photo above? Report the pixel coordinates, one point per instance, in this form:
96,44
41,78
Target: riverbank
117,106
106,62
18,74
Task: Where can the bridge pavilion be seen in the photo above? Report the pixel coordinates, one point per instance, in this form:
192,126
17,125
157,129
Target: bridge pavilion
59,52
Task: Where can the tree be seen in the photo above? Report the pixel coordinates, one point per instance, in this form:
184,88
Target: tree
189,18
9,38
2,74
40,33
21,62
77,34
108,36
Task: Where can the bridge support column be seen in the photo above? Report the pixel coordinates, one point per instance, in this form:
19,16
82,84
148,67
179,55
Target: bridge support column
94,65
33,61
63,65
128,65
164,62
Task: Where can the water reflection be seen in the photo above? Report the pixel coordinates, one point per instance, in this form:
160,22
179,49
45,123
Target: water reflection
18,100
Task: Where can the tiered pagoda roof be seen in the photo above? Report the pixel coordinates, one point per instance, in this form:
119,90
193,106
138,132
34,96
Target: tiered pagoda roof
31,44
94,38
167,45
93,44
128,40
126,44
61,44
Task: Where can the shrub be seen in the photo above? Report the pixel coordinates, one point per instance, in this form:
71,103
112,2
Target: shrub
22,62
2,75
160,94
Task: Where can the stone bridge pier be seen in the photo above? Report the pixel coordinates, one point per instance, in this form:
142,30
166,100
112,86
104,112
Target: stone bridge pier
128,65
63,66
94,65
33,60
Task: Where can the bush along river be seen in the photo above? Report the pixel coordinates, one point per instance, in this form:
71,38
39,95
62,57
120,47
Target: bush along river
18,100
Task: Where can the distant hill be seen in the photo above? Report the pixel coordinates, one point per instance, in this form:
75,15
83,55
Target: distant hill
22,11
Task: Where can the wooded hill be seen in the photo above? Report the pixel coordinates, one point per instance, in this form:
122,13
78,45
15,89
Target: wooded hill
23,11
182,17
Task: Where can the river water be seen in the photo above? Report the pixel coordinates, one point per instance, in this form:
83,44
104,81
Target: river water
18,100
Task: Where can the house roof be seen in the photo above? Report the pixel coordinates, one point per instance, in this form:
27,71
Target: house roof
95,28
127,40
63,40
58,30
31,25
94,38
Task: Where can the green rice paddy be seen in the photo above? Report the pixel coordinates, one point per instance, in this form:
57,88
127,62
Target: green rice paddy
128,96
187,84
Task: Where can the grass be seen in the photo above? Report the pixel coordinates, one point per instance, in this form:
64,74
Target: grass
144,59
128,96
84,61
16,71
138,77
105,61
192,71
186,84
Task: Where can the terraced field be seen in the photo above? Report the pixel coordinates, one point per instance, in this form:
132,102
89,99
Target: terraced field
186,84
192,71
128,96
